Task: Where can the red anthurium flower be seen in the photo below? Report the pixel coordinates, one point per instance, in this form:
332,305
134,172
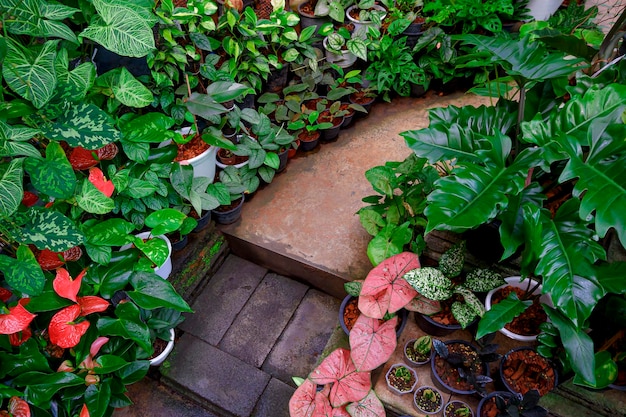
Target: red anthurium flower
29,199
17,408
84,412
82,158
16,339
65,286
97,344
92,304
49,260
73,254
107,152
17,320
5,294
62,329
96,177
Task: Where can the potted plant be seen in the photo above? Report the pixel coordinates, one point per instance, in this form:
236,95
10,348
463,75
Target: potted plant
311,15
335,116
309,128
457,408
344,47
506,404
459,368
418,351
364,14
523,369
401,379
428,400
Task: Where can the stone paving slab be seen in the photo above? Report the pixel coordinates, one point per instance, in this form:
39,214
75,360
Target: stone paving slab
259,324
275,400
303,341
215,378
223,298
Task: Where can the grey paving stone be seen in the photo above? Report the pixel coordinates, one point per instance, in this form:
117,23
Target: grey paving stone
222,299
214,377
304,339
260,323
274,401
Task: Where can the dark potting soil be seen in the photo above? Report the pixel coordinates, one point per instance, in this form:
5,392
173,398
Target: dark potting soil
429,405
450,374
400,383
525,370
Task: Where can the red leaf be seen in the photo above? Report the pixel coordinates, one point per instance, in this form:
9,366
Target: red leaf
49,260
384,289
82,158
18,407
29,199
370,406
84,412
340,412
65,286
5,294
72,254
96,177
16,339
322,405
372,343
348,383
302,402
17,320
92,304
107,152
62,329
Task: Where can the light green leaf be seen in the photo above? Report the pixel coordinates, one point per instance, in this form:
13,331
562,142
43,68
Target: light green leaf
358,47
463,313
14,141
39,19
11,190
83,125
130,92
53,175
93,201
52,230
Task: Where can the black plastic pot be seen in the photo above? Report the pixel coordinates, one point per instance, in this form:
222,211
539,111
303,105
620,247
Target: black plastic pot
106,60
503,361
180,244
277,80
283,158
309,145
331,134
437,379
488,397
347,120
417,90
203,222
230,216
402,314
412,33
366,106
433,328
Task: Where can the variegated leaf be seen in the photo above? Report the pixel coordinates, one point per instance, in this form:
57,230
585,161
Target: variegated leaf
14,141
463,313
131,92
39,19
471,300
120,29
83,125
93,200
112,232
430,282
53,175
30,72
23,273
49,229
11,190
73,85
138,188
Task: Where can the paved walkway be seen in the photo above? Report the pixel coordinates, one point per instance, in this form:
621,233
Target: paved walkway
251,332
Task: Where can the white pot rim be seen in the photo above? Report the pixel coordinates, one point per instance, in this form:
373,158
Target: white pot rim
144,235
515,281
394,389
363,22
185,131
158,360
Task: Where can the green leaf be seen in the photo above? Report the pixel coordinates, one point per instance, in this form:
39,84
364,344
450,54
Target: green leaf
83,125
73,85
272,160
154,248
358,47
605,371
51,230
611,277
151,291
120,29
442,143
165,221
11,190
388,242
501,314
383,180
41,387
371,220
452,261
29,358
204,106
39,19
133,372
431,283
463,313
53,175
511,229
130,92
93,201
23,273
14,141
110,232
128,325
483,280
30,73
97,398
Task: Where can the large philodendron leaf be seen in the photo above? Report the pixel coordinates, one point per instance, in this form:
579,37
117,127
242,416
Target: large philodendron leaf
121,28
442,143
53,175
14,141
484,120
11,190
30,72
39,18
83,125
565,255
524,58
49,229
23,273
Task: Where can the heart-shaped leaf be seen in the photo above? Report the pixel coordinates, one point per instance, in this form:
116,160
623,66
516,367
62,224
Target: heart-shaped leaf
23,273
348,384
370,406
302,402
384,289
372,343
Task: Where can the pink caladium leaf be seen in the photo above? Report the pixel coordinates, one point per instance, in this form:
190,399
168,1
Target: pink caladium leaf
322,404
302,402
16,320
385,289
96,177
65,286
370,406
348,384
340,412
424,305
372,342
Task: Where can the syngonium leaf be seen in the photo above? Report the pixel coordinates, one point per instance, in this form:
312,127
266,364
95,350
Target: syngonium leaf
372,343
11,190
53,175
93,200
83,125
348,384
49,229
23,273
30,72
14,141
388,242
384,289
73,85
120,28
39,18
126,88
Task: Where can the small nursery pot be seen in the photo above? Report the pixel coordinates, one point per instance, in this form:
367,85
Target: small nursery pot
402,316
164,270
309,142
158,360
543,376
488,402
427,407
435,363
410,361
203,222
451,406
229,216
389,377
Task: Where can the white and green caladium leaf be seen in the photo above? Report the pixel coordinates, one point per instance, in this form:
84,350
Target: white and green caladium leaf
471,300
430,282
39,18
452,261
53,175
23,273
11,189
49,229
83,125
463,313
14,141
483,280
30,71
126,88
93,201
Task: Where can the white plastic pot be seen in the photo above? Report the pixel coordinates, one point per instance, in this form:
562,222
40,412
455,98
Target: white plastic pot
543,9
345,59
164,270
203,164
394,389
158,360
515,282
358,24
